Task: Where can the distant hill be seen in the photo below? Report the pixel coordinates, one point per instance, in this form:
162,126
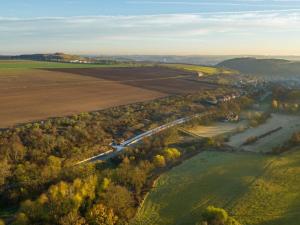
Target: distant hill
62,57
268,68
196,60
208,60
45,57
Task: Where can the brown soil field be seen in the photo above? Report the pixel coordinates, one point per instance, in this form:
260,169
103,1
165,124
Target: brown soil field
162,79
29,95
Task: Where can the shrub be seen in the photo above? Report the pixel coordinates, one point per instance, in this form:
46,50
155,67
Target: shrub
171,154
216,216
159,161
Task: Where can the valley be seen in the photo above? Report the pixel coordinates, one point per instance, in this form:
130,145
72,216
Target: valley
151,112
191,127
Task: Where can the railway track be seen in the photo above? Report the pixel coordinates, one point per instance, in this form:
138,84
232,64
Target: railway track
123,145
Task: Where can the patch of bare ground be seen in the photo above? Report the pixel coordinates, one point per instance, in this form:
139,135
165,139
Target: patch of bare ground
216,129
288,124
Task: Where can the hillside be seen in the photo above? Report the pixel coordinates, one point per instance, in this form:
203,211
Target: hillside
270,68
58,57
255,189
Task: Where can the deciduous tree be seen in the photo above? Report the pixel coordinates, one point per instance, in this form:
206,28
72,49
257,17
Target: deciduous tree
101,215
120,200
4,171
217,216
159,161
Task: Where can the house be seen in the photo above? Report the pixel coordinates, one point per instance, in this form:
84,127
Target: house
231,117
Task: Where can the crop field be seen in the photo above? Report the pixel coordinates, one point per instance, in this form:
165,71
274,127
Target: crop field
166,80
37,90
289,124
255,189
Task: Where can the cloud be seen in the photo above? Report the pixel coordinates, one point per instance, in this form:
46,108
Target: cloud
88,32
156,24
267,3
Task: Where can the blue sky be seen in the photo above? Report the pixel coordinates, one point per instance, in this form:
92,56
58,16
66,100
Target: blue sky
190,27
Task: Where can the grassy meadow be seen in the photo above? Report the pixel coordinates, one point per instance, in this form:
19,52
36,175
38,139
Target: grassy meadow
256,189
206,70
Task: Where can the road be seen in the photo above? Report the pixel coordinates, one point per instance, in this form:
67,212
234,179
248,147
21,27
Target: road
120,148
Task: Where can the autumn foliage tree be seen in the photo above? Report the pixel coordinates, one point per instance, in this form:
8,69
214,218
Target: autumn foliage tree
216,216
101,215
159,161
4,171
58,202
171,154
120,200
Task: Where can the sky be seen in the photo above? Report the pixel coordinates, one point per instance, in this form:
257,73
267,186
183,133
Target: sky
151,27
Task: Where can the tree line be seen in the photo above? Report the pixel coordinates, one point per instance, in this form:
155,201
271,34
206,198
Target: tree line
286,100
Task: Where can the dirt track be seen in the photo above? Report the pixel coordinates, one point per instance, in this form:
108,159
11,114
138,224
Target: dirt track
27,95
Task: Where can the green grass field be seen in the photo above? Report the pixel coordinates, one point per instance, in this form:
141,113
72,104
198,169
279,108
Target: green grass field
255,189
206,70
27,64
